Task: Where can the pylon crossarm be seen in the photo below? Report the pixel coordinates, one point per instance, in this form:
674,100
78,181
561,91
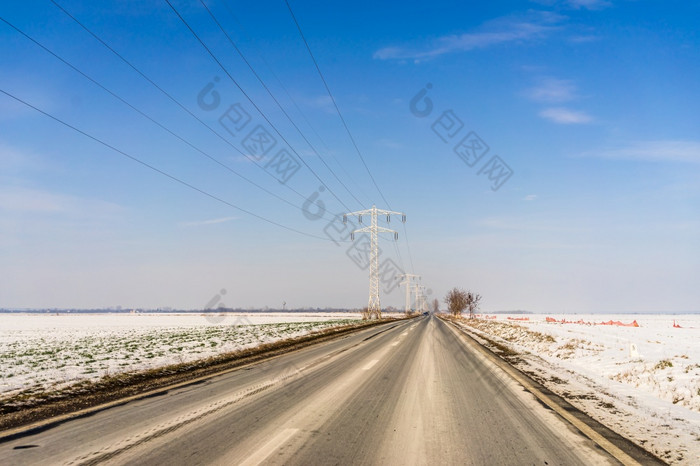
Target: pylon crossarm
388,212
377,229
360,212
379,212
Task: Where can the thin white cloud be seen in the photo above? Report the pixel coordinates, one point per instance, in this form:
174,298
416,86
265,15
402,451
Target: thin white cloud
212,221
33,89
565,116
242,159
318,102
528,224
589,4
553,90
13,159
389,143
11,109
27,200
530,197
582,38
321,101
663,151
534,25
577,4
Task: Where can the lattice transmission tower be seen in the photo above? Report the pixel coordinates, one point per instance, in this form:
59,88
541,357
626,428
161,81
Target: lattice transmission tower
374,308
407,277
418,290
420,298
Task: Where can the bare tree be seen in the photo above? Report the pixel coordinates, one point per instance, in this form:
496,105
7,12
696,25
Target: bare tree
473,300
456,300
365,313
436,306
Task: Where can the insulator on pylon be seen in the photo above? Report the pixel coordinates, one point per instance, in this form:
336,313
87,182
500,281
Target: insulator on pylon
352,236
388,218
345,218
403,218
396,236
359,218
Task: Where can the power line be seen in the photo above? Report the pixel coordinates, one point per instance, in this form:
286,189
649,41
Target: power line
330,94
397,251
158,170
408,246
225,70
169,96
125,102
347,129
242,28
233,43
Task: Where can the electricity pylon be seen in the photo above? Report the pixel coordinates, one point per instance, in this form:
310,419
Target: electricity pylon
420,297
407,282
373,307
423,302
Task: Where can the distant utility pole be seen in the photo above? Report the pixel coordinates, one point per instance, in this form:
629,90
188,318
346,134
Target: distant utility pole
407,277
374,308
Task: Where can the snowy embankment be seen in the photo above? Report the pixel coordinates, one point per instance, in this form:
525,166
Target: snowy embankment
41,352
643,382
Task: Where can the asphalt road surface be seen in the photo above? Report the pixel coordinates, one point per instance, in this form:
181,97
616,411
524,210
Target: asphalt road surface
408,392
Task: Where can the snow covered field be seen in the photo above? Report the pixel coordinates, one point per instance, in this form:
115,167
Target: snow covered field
643,382
44,351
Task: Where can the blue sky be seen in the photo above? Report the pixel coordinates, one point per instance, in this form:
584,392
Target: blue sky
591,105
